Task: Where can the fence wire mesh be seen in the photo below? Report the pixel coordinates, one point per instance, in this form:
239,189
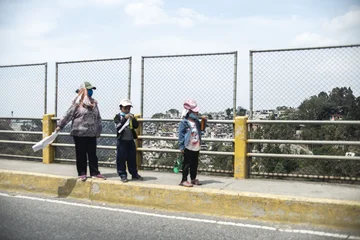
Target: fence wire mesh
12,150
104,155
23,90
306,84
167,81
111,77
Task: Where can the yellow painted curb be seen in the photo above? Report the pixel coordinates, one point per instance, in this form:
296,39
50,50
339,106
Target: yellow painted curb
265,207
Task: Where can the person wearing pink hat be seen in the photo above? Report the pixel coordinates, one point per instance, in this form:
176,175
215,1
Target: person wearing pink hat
190,142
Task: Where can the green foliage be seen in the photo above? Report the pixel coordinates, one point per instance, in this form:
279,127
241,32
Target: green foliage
240,111
158,115
340,102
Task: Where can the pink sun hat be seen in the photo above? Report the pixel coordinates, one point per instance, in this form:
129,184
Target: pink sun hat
190,104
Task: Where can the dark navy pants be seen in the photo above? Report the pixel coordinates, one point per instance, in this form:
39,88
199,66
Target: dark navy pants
126,153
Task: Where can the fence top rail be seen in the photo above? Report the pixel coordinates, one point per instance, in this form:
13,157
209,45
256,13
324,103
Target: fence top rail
23,65
19,118
301,49
190,55
303,122
95,60
162,120
179,120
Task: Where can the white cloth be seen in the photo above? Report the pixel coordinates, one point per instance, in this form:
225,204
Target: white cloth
46,141
124,126
183,113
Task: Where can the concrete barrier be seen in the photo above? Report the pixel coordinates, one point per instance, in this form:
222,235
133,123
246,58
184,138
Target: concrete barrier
264,207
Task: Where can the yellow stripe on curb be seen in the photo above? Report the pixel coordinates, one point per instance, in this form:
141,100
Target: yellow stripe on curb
255,206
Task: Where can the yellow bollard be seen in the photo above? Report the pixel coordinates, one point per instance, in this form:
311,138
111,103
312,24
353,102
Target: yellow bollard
48,129
240,158
139,142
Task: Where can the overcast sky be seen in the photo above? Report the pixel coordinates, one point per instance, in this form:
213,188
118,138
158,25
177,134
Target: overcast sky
50,31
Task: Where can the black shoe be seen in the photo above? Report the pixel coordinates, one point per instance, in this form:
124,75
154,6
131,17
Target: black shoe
124,179
137,177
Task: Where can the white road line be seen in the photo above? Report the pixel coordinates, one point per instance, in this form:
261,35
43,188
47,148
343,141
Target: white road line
318,233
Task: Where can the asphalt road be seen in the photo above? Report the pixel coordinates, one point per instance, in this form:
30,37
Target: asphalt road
40,217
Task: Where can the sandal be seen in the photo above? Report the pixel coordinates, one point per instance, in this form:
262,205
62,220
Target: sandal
196,182
185,184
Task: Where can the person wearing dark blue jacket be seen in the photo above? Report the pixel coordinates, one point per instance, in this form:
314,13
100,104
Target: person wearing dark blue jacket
126,124
190,142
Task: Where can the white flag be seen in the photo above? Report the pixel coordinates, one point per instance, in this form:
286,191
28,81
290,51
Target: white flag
46,141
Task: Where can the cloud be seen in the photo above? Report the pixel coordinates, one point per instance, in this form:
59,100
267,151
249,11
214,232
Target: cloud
82,3
350,20
108,2
152,12
308,39
343,29
147,12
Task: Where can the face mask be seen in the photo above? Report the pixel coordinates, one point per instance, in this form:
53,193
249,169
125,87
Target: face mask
90,92
193,116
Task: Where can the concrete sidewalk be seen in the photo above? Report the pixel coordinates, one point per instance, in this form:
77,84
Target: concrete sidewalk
263,186
270,200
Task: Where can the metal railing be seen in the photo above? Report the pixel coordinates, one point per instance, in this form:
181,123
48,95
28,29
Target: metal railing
28,133
301,165
255,159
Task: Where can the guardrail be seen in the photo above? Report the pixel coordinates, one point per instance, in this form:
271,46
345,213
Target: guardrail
242,143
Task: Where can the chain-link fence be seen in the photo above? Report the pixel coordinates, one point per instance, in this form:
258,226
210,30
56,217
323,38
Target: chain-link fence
17,137
111,77
167,81
24,90
306,84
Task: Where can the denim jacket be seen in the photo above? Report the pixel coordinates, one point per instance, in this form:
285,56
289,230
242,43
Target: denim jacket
185,132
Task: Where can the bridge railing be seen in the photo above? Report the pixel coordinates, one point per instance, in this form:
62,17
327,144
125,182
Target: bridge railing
301,162
245,161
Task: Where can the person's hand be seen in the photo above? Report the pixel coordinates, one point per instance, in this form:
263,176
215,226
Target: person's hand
57,129
127,116
182,151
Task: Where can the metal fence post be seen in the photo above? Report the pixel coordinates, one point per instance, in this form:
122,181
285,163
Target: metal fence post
251,84
129,81
45,101
56,87
240,158
48,128
142,88
139,154
235,83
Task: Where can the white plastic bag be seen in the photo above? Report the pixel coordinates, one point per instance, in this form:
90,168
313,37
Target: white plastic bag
46,141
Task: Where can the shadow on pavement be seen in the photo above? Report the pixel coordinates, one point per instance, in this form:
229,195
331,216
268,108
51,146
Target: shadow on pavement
64,191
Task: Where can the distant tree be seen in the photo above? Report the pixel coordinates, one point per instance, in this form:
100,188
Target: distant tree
174,111
228,112
158,115
240,111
